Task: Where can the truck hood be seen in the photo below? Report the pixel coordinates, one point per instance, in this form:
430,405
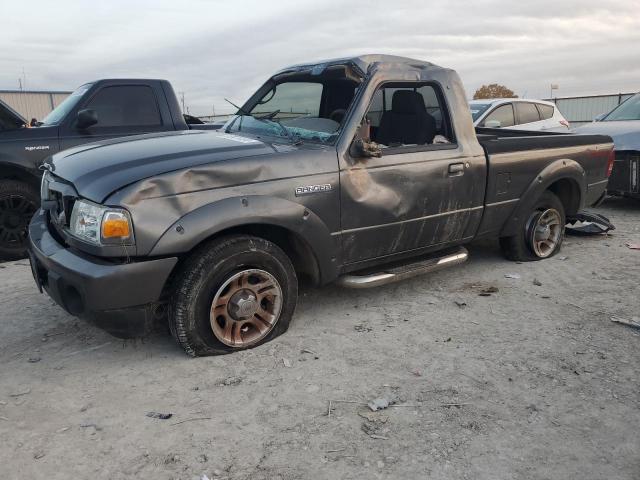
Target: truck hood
9,118
98,169
625,133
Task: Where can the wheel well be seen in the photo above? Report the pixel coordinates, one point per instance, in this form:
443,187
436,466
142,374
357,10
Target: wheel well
568,192
302,257
10,172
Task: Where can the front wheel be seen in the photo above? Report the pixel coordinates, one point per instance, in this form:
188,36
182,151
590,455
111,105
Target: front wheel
540,233
18,202
231,294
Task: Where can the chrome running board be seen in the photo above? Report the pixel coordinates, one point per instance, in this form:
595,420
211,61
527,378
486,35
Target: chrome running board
397,273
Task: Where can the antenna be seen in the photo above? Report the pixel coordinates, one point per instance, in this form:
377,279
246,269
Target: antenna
23,87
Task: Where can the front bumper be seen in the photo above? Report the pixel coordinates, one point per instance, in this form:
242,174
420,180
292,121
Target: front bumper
121,298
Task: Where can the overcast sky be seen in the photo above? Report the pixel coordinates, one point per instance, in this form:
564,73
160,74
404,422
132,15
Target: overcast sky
213,49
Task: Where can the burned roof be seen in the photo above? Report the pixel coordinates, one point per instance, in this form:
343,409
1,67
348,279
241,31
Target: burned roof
361,62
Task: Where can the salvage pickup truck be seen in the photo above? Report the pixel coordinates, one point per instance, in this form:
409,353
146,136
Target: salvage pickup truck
96,111
362,170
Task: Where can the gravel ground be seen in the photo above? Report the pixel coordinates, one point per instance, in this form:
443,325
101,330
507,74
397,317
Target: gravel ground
533,381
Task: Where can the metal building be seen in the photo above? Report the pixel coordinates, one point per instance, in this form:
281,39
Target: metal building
32,104
581,110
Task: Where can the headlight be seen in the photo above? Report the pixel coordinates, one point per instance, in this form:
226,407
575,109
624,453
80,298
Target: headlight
101,225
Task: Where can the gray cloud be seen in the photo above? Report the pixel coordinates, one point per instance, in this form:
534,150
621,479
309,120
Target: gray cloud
213,49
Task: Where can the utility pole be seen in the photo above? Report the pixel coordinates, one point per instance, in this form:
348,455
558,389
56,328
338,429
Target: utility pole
182,98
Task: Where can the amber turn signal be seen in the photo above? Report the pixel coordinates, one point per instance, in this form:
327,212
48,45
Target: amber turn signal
115,225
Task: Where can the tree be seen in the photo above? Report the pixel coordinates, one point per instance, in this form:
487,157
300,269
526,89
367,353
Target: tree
494,91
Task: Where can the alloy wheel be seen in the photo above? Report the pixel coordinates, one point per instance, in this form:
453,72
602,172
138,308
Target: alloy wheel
15,214
246,308
545,232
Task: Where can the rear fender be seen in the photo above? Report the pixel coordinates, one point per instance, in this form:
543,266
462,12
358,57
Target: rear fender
214,218
561,169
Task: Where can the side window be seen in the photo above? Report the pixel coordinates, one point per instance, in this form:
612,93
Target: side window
432,103
502,114
527,112
546,111
409,114
292,99
126,106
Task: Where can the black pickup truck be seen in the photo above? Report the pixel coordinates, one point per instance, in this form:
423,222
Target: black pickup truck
95,111
362,170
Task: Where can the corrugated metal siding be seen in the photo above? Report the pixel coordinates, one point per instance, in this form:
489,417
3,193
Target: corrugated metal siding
58,97
33,104
580,110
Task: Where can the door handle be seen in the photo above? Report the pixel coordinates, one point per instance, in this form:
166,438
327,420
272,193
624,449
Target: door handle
456,169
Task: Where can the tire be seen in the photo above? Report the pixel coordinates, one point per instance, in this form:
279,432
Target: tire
524,246
18,203
231,273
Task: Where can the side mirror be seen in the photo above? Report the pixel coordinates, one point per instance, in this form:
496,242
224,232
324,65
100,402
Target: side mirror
361,148
493,124
598,118
86,118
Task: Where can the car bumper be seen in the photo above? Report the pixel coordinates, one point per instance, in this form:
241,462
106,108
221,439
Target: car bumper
120,298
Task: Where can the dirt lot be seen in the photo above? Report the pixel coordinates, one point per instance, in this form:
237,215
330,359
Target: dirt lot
544,384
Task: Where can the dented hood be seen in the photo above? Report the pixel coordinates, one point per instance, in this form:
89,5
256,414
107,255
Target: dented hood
98,169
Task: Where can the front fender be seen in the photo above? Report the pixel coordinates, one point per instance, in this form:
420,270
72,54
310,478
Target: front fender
18,171
561,169
214,218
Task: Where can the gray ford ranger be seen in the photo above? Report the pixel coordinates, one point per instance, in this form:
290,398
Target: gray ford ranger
362,170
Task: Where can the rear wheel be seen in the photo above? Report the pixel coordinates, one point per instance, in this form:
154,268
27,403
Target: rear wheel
231,294
18,202
540,233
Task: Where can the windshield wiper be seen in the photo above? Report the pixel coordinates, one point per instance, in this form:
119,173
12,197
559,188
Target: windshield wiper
266,118
294,140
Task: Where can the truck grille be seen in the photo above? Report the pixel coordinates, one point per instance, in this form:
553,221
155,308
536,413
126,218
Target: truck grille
625,177
58,198
63,209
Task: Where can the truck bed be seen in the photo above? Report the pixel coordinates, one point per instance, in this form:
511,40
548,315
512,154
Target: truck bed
516,157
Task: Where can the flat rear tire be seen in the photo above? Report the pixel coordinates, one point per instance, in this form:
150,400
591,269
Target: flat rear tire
540,232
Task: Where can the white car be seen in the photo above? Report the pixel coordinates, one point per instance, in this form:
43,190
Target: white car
518,114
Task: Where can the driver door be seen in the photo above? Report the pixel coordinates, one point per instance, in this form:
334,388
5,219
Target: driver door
415,196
